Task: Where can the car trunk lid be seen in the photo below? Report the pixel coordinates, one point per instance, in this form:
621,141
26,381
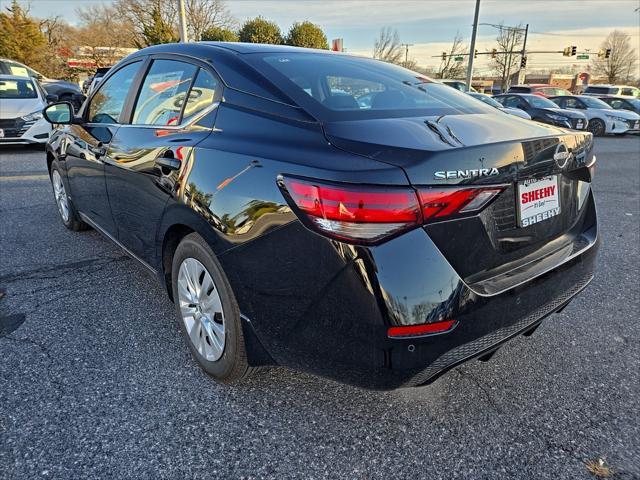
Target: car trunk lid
487,149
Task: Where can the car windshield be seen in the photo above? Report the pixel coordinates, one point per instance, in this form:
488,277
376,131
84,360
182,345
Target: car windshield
336,87
15,88
592,102
488,100
540,102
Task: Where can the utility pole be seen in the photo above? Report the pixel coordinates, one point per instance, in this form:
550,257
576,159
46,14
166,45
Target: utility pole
472,48
183,21
406,52
521,72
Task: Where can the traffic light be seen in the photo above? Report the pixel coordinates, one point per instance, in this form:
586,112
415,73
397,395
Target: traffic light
574,50
494,53
523,62
566,52
607,53
475,53
444,56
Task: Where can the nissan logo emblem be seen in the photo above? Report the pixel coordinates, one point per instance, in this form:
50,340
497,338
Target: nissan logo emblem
562,155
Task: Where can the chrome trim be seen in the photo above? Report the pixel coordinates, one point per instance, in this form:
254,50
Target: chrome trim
101,230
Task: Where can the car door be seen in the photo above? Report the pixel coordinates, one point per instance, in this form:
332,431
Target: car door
152,149
87,147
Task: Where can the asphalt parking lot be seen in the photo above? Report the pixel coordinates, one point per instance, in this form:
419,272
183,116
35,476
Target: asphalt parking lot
98,383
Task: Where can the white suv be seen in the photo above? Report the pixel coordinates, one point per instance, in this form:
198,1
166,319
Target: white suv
617,90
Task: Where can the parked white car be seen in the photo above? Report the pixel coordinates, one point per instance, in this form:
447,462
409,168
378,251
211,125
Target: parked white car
483,97
617,90
21,102
603,119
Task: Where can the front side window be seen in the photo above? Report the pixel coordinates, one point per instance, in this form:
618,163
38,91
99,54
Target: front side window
163,93
513,102
108,102
17,89
340,87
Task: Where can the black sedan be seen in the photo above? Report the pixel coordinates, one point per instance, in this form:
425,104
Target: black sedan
544,110
377,243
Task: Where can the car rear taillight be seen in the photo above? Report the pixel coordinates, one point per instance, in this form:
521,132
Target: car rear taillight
367,214
440,203
350,212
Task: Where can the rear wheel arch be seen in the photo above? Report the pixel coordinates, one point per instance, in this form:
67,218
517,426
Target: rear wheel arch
179,221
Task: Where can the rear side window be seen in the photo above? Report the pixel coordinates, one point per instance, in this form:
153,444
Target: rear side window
630,91
163,92
108,102
336,87
206,90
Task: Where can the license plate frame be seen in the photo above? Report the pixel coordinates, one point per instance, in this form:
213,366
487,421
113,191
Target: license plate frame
538,200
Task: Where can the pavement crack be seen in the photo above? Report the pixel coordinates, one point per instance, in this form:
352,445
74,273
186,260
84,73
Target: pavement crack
487,394
41,273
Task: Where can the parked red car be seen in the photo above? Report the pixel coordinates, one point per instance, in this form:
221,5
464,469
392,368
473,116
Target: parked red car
542,89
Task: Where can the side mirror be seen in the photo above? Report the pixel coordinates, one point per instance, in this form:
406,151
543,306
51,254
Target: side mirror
59,113
51,98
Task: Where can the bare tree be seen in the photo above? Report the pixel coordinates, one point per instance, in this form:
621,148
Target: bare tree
449,67
205,14
145,15
103,34
509,40
387,46
621,64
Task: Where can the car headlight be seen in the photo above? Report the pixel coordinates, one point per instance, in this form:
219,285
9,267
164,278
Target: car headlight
33,116
558,118
617,119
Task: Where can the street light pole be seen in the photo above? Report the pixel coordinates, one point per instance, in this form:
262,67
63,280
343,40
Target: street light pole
183,21
472,50
406,51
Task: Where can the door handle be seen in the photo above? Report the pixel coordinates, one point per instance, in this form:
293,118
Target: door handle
168,162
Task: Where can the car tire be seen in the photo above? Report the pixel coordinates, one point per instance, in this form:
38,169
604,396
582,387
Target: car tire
208,312
66,210
596,127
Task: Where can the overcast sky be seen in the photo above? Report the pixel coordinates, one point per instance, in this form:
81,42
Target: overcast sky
431,24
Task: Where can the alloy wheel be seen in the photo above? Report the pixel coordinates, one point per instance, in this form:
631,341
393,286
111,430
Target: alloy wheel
201,309
61,195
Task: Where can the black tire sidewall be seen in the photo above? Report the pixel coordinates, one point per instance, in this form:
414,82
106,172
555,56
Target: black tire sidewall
601,130
193,246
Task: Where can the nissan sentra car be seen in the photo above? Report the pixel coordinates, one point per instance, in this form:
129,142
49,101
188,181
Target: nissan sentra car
376,243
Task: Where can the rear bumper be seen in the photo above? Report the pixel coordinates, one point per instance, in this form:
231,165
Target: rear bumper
324,307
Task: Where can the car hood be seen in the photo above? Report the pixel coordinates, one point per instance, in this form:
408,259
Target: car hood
18,107
60,84
565,112
435,133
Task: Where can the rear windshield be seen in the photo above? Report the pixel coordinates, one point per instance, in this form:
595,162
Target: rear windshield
599,90
17,89
334,87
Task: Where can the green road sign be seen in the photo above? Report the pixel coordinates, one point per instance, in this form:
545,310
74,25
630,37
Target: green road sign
458,59
582,57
